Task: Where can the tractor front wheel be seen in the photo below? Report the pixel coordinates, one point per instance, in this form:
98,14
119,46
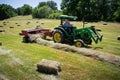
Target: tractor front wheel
79,43
58,36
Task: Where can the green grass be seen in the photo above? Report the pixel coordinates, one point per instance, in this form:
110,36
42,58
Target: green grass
20,64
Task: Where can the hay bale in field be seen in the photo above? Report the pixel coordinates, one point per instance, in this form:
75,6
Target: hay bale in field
1,30
11,27
42,23
0,43
49,67
37,22
20,33
18,25
1,26
28,23
4,24
104,23
118,38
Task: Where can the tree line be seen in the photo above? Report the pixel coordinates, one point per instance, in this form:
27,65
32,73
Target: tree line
88,10
92,10
43,10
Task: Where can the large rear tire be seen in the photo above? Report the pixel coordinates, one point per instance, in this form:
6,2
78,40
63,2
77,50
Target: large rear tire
58,36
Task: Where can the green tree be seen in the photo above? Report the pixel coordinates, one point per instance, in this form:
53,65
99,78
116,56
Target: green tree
44,9
117,13
52,5
41,12
6,11
26,9
91,10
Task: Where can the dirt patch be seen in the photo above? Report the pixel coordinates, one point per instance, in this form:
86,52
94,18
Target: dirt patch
106,57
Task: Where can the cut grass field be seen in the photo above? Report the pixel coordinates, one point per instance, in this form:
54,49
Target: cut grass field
20,63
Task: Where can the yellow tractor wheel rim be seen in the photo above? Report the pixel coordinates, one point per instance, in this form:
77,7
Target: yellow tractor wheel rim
57,37
78,44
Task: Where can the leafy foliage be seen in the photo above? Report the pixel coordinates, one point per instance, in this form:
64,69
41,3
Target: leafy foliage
24,10
46,10
92,10
6,11
41,12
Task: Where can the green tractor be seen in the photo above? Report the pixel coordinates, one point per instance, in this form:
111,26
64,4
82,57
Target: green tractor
73,36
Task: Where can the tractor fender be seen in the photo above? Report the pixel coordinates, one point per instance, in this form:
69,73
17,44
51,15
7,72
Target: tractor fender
62,29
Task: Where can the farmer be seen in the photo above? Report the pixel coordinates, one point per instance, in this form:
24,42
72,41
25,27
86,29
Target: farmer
67,23
68,26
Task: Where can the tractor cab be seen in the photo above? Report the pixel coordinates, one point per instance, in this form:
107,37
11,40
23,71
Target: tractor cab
65,23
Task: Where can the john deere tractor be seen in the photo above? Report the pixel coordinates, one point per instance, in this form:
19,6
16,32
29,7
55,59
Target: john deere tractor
74,36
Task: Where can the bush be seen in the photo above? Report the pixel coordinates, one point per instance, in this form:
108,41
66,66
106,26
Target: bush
41,12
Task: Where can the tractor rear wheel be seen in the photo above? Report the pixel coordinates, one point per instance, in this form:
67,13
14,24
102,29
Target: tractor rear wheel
58,36
79,43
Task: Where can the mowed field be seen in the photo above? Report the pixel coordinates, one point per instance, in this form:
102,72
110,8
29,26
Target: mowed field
19,63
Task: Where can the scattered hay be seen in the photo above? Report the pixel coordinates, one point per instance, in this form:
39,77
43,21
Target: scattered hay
2,51
15,60
49,77
49,67
106,57
118,38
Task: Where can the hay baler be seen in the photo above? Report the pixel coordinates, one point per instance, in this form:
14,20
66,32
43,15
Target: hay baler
72,35
38,30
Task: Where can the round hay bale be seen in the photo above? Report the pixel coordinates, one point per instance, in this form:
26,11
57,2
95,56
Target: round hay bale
42,23
0,43
49,67
4,24
11,27
18,25
1,30
118,38
1,26
20,34
104,23
37,22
